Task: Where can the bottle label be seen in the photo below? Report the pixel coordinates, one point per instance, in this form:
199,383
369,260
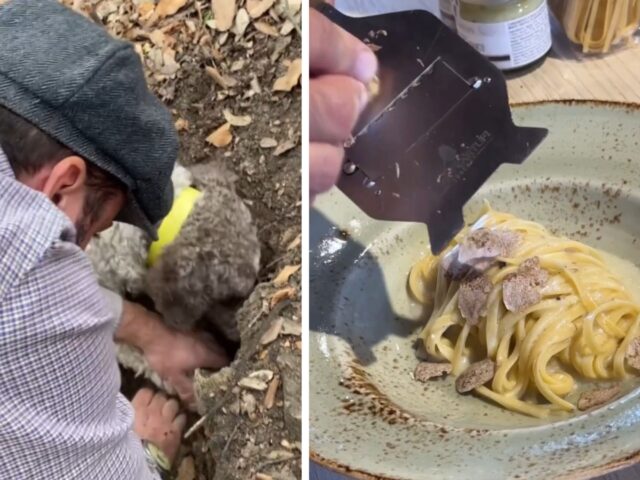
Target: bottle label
510,44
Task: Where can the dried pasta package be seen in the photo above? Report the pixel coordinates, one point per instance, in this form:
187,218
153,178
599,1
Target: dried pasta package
598,26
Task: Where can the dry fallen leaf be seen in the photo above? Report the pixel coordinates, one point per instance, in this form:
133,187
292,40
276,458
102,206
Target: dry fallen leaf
289,327
283,277
271,334
284,443
281,295
258,7
284,147
145,10
221,137
242,21
293,5
268,142
163,61
181,124
295,243
287,28
264,375
253,384
290,79
105,8
270,396
187,469
255,85
225,81
280,455
237,65
257,380
265,28
157,37
224,12
236,120
263,476
168,7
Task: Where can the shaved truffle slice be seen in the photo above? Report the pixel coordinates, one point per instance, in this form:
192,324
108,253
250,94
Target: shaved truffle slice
452,266
523,289
478,251
476,375
633,353
472,298
427,370
598,397
484,243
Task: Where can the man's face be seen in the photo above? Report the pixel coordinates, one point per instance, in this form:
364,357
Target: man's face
89,225
65,184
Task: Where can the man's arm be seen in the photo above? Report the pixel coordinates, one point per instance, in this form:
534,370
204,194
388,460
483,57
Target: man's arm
171,353
61,413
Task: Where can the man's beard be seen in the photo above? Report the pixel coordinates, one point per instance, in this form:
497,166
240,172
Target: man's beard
82,229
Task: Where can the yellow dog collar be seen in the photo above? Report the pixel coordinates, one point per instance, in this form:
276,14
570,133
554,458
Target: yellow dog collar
172,223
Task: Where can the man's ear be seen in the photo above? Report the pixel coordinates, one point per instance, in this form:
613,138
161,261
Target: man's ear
65,185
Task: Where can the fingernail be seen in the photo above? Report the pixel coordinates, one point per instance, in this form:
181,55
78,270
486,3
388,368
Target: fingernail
366,65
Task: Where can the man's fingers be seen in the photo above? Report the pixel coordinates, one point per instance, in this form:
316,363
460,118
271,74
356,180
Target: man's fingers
333,50
157,402
180,422
335,103
170,409
142,398
324,166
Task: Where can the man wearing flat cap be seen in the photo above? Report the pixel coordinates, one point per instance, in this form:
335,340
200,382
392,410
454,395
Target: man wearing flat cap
82,143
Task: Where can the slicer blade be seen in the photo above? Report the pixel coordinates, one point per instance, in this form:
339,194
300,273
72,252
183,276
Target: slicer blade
437,129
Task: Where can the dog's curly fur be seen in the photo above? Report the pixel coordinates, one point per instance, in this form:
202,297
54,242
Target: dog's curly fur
208,269
213,262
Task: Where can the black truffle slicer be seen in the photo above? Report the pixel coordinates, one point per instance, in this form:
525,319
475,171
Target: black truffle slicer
436,129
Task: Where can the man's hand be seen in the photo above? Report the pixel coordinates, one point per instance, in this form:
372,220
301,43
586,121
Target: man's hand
341,68
157,419
173,354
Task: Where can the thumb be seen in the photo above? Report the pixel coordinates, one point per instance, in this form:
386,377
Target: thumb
183,385
333,50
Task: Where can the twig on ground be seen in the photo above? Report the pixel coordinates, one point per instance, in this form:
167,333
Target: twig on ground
196,426
233,434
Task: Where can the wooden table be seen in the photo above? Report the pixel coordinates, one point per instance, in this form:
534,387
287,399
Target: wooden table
565,76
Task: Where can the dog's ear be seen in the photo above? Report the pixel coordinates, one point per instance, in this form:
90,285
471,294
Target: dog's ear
169,285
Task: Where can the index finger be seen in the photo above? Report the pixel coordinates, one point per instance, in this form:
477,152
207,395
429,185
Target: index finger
335,51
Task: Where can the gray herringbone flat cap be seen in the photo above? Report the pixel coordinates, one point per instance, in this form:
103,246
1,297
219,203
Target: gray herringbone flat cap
69,77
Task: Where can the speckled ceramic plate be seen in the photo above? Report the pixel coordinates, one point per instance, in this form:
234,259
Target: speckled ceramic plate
368,417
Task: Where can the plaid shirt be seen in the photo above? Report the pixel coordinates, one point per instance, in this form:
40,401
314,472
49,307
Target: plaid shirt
61,413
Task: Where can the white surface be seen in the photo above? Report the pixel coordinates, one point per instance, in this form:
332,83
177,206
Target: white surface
363,8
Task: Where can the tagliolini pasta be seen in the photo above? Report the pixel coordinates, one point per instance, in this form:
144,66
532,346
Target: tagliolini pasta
544,309
598,24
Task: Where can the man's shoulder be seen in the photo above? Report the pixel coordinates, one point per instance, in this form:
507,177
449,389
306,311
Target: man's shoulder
30,227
